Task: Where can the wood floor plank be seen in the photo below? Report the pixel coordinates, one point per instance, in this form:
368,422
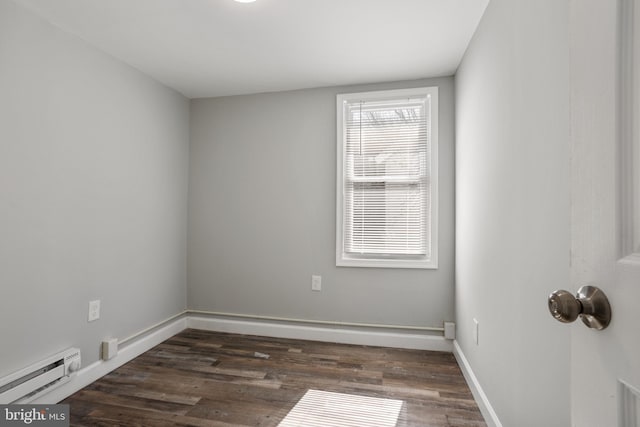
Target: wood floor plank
201,378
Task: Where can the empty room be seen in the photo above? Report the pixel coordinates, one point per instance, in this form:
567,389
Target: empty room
351,213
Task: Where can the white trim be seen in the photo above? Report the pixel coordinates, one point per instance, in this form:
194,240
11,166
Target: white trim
150,328
489,414
628,404
632,259
250,325
343,335
91,373
317,322
343,259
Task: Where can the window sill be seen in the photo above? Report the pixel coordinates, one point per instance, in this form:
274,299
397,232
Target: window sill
430,264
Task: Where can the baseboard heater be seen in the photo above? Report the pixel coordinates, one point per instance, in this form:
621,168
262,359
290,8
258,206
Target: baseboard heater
33,381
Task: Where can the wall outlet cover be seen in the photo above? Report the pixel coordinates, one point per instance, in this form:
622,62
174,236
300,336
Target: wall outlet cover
94,310
316,283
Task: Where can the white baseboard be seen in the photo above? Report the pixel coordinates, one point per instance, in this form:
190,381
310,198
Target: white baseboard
91,373
343,335
490,416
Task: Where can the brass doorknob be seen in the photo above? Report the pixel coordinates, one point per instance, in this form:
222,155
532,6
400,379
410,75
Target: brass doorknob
590,304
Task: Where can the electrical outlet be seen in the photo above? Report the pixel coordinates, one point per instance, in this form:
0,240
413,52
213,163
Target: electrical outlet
316,283
476,331
94,310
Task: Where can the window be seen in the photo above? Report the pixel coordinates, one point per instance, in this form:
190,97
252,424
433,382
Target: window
387,179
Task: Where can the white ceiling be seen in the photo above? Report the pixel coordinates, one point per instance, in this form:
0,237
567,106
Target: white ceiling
206,48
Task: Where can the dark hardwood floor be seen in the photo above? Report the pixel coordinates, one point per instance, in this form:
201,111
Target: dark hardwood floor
200,378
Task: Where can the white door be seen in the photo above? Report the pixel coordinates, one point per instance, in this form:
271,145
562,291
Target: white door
605,209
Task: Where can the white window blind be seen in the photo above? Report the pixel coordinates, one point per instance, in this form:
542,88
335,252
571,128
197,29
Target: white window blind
386,198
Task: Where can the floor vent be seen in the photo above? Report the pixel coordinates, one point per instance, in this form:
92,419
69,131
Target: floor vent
35,380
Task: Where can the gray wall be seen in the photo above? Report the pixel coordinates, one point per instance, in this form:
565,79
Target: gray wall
262,214
512,208
93,188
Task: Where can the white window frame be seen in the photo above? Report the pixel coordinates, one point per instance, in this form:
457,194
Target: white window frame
346,260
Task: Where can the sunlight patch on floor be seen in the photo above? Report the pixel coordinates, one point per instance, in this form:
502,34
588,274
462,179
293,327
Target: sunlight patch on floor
326,409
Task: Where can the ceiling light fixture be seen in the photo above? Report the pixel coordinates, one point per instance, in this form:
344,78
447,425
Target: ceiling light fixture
245,1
